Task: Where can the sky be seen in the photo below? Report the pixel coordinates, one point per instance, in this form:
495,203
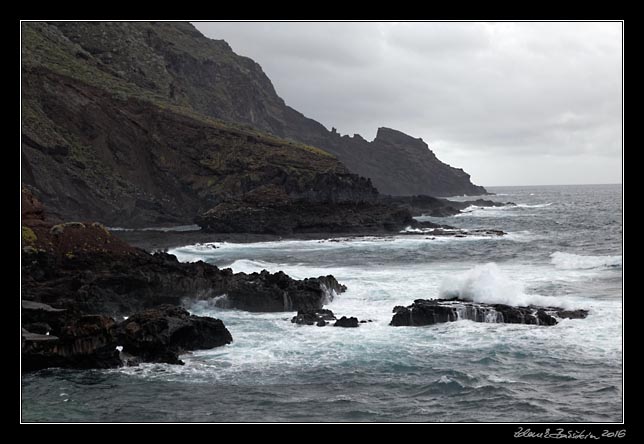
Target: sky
512,103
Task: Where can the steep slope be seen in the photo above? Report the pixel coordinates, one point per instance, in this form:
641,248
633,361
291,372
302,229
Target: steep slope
176,61
101,145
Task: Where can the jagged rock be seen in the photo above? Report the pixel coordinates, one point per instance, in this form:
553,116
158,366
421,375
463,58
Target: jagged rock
315,316
346,322
88,342
161,334
269,292
434,311
117,285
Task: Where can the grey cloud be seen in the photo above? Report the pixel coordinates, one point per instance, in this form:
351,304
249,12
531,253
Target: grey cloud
481,94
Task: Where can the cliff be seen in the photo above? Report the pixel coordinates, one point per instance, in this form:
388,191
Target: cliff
104,140
176,62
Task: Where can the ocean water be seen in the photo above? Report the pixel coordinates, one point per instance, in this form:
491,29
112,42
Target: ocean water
564,248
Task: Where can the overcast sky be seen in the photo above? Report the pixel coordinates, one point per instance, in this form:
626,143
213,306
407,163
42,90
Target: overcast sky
510,103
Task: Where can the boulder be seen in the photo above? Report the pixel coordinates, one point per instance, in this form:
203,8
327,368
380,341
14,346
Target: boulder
162,333
346,322
315,316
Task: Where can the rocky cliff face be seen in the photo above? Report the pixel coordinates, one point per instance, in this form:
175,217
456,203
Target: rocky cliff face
107,135
173,62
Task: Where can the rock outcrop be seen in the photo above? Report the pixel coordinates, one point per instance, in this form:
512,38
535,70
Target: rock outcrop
88,341
96,341
351,322
160,334
322,317
319,317
82,268
436,207
305,217
436,311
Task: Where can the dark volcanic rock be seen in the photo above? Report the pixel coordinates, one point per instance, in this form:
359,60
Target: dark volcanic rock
304,217
316,316
124,284
269,292
422,312
434,311
161,334
74,269
88,342
346,322
436,207
320,318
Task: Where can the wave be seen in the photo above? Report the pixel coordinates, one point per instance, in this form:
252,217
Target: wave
488,284
472,208
569,261
531,206
409,229
253,265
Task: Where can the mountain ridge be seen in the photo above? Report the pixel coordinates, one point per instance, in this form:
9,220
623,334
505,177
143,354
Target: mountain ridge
114,130
176,60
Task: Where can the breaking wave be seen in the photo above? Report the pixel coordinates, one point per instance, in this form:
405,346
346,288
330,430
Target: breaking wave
488,284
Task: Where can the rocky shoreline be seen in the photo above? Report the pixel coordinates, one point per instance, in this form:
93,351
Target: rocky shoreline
92,300
86,292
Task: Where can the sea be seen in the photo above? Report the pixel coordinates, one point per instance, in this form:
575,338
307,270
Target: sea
564,247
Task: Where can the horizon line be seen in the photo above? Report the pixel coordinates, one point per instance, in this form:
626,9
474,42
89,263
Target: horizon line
553,185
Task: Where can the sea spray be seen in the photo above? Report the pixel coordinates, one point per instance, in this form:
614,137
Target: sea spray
488,284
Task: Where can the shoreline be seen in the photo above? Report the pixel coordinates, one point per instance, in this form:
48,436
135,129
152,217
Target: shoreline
151,241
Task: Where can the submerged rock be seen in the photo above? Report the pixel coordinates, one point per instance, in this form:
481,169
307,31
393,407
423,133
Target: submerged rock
316,316
322,317
435,311
346,322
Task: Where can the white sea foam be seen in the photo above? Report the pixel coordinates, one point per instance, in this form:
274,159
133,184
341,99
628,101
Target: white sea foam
568,261
529,206
488,284
409,229
411,240
253,266
505,211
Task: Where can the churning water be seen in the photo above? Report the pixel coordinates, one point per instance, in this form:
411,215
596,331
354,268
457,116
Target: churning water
564,248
